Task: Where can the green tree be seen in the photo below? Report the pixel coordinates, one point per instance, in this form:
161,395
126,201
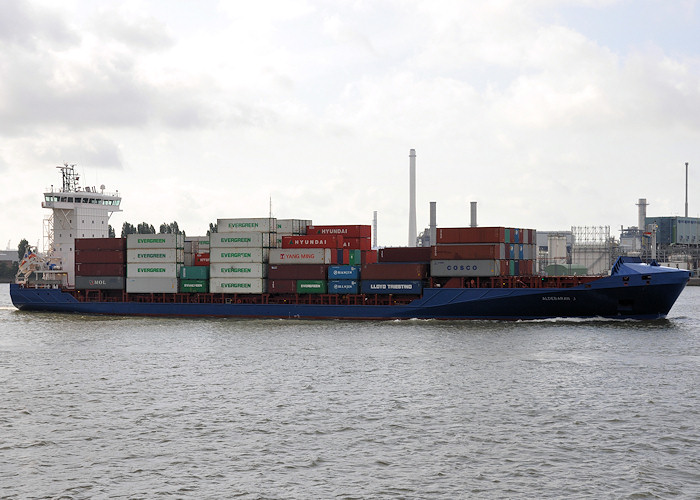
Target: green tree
127,229
110,231
145,228
21,249
171,228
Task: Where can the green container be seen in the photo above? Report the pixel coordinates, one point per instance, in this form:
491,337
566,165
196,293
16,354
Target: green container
194,273
194,286
355,257
312,286
512,268
507,235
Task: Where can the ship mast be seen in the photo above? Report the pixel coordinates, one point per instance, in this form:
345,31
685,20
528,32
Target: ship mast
70,179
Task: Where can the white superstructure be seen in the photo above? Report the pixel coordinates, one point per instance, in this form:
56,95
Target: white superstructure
76,213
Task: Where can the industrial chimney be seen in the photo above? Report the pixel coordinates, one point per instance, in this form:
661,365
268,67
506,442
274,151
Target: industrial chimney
473,213
642,214
374,224
433,222
686,190
412,228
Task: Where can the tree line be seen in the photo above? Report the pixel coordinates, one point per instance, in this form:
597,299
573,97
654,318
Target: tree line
146,228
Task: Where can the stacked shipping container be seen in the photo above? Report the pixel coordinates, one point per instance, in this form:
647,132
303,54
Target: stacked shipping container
343,279
194,275
355,248
197,251
100,263
483,252
153,262
243,257
239,253
302,264
399,270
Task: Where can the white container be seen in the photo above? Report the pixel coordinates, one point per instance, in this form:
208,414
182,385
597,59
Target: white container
153,270
263,225
151,285
238,270
241,239
301,256
155,241
231,285
165,255
291,227
223,255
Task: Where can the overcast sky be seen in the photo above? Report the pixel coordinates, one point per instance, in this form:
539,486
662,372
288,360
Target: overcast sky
549,114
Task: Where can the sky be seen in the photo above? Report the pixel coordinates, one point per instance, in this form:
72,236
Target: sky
548,113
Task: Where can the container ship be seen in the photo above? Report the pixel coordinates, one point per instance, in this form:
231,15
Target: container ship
291,268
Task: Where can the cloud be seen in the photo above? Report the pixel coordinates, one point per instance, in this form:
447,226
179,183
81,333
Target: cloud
133,29
24,25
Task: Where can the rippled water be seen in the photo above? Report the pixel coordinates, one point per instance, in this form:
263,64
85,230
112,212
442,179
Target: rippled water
141,407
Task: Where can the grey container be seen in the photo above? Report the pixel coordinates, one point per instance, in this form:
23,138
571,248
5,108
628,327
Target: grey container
242,240
238,254
291,226
151,285
153,270
464,268
155,241
99,282
230,285
165,255
238,270
263,225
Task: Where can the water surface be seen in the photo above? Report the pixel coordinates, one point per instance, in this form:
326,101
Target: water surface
146,407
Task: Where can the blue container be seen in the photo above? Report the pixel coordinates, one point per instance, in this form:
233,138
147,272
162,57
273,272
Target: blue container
343,286
339,256
392,286
521,252
343,273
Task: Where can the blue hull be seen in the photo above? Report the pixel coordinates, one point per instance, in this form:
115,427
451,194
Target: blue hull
632,291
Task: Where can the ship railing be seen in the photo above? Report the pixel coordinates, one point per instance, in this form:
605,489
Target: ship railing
220,298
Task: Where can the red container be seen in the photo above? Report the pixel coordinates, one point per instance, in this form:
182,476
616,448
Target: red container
404,254
100,270
322,241
342,256
369,257
363,231
282,286
398,271
201,259
297,272
100,256
357,243
471,235
468,252
100,244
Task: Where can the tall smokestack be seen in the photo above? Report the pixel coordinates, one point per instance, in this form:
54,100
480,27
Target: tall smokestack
473,213
412,228
433,222
642,214
374,224
686,189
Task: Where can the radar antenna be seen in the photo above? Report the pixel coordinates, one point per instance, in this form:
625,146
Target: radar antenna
70,179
